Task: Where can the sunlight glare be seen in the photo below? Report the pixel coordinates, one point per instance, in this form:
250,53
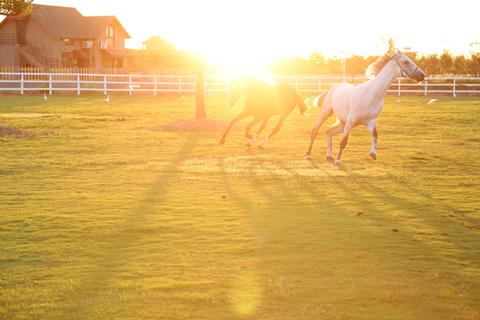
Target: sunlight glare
245,295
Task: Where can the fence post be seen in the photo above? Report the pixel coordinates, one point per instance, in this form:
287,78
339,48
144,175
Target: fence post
50,84
319,84
398,88
130,85
22,84
454,87
426,88
296,84
105,85
180,85
78,84
155,86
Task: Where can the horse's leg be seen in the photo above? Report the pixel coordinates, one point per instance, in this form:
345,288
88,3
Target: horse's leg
251,139
240,116
373,148
260,129
334,130
262,126
275,130
343,143
322,116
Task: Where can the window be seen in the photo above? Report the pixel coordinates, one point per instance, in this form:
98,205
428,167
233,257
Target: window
68,42
109,32
109,36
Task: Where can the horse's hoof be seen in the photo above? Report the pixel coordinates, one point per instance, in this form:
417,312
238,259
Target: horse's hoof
337,162
261,146
373,155
308,157
222,141
330,158
248,144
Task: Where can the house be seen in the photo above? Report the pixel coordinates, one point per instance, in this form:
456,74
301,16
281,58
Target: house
160,54
158,44
62,36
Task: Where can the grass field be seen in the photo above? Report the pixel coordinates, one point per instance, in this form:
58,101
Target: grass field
106,216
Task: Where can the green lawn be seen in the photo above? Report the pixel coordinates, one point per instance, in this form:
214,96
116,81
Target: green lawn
106,216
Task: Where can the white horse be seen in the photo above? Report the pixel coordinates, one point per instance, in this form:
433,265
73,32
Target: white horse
354,105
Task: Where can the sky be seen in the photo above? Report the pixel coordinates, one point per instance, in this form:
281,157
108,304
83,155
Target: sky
248,30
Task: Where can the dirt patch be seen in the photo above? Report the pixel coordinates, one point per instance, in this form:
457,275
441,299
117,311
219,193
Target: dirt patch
7,132
195,125
11,132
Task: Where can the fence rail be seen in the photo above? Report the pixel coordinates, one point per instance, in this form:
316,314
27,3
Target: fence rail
55,82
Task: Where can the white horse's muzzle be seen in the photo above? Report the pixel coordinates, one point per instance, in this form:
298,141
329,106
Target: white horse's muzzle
418,75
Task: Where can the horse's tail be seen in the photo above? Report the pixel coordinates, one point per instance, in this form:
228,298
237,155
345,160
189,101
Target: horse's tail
318,101
301,104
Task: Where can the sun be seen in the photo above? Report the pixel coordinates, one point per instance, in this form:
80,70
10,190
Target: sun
240,63
237,36
241,48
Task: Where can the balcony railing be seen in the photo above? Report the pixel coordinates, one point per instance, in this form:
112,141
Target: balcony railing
9,39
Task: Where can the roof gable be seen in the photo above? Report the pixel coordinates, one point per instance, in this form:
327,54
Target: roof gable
96,25
60,22
157,43
66,22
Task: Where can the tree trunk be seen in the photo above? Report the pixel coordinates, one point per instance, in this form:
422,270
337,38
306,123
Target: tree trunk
200,93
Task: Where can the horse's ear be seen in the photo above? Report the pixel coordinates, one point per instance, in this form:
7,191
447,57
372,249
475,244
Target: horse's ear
391,48
391,44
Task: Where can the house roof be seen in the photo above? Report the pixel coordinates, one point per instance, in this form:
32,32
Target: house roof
96,24
60,22
67,22
158,43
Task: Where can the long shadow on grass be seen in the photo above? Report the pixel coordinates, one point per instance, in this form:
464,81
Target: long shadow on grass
400,203
116,254
453,212
288,194
264,224
396,203
269,227
362,202
464,258
378,193
354,197
349,244
250,210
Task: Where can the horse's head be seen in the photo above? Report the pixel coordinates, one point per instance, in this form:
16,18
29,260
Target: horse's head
407,68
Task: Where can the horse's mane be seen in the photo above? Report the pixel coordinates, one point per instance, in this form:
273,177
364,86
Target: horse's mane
375,67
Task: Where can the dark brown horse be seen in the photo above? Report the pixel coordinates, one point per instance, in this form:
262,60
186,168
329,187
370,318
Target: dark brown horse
262,101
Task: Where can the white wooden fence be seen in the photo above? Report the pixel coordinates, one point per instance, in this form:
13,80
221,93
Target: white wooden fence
22,82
